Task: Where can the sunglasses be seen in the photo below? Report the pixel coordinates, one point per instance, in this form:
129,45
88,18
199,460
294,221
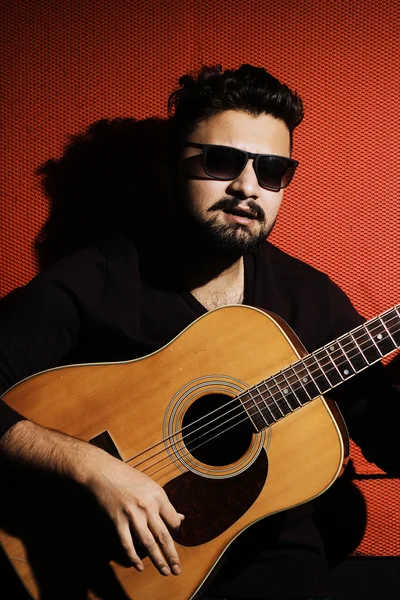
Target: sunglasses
227,163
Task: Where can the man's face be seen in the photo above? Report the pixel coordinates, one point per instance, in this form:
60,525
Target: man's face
234,215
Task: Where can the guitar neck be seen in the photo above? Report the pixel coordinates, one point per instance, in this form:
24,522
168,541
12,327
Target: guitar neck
322,370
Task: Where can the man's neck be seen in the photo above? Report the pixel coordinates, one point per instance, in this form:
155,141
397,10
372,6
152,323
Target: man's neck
226,287
214,277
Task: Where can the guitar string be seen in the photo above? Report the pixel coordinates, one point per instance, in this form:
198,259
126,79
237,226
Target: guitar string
189,453
240,409
276,386
274,401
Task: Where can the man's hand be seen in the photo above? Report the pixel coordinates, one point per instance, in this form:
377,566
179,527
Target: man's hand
134,502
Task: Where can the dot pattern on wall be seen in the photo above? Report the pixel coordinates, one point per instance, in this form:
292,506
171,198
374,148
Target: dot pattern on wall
66,65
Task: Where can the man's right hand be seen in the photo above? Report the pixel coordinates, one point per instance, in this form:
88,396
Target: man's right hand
134,502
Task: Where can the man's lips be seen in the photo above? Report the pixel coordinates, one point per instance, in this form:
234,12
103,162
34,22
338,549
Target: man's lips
242,215
237,211
241,212
240,220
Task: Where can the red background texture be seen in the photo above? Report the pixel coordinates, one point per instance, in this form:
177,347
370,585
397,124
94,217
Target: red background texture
67,63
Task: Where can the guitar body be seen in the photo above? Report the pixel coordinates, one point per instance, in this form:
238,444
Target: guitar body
141,402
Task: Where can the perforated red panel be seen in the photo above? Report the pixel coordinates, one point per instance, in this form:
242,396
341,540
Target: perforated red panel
69,63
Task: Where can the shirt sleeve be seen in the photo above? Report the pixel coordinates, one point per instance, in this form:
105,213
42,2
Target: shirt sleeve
42,322
39,324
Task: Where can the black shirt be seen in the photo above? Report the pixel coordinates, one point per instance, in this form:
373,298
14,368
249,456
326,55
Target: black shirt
98,305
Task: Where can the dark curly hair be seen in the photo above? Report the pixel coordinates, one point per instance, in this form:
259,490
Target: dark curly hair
213,90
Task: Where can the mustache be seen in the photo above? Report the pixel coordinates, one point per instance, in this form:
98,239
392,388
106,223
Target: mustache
230,204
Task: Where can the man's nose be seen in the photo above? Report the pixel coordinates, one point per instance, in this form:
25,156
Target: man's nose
246,184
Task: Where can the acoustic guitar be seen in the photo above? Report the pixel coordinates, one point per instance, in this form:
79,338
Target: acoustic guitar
229,418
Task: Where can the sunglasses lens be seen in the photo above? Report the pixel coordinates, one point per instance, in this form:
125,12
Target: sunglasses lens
274,172
224,163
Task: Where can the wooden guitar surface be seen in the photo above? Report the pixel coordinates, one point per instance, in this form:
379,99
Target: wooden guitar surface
142,406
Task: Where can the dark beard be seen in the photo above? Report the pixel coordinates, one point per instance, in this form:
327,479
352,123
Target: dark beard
227,238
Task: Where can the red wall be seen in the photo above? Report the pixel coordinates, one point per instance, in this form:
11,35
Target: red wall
65,64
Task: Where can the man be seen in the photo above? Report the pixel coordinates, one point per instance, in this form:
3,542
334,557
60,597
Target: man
232,141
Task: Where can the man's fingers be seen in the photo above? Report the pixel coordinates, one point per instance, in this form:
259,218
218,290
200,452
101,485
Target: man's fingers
125,537
166,543
169,515
152,545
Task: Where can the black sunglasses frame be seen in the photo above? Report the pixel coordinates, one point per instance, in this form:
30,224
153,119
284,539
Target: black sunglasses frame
290,163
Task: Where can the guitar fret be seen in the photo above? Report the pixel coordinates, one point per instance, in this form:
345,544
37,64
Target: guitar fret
330,370
339,358
346,366
336,354
359,360
280,397
358,346
352,359
286,390
370,350
270,405
263,405
397,316
321,382
306,379
256,416
388,332
392,321
301,392
379,337
296,388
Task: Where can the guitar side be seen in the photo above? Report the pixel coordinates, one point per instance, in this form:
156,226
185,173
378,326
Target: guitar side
140,402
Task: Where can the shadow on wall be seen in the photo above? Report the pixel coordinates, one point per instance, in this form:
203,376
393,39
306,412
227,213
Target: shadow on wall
115,176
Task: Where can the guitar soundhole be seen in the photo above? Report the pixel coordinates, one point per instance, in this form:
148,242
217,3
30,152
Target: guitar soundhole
217,430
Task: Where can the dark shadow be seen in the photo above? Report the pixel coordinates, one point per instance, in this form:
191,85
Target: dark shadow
341,512
115,176
393,370
69,540
341,516
369,578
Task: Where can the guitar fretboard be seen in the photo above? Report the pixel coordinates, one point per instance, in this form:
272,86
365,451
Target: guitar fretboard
318,372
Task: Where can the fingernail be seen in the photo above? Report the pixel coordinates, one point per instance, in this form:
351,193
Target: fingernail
176,569
165,571
139,566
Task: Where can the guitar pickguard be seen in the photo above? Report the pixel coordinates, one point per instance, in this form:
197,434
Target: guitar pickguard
211,506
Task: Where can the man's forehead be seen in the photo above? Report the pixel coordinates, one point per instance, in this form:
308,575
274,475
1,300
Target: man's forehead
261,133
